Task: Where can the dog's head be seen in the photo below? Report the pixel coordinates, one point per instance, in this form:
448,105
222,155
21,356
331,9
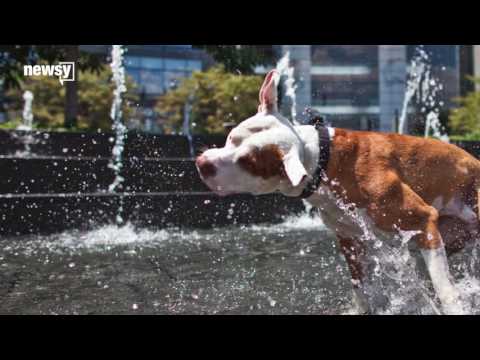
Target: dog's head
262,154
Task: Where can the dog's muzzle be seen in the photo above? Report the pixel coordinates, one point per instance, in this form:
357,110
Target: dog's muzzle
205,167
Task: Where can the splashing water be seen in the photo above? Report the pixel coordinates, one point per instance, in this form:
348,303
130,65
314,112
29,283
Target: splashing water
27,116
285,70
186,124
417,68
27,112
422,85
118,127
395,284
429,93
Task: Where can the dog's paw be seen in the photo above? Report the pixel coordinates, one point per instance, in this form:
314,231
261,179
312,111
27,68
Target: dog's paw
452,303
453,309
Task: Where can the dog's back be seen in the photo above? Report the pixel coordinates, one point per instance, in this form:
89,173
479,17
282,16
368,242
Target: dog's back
430,167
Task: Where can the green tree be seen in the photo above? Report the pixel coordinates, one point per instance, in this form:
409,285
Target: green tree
14,57
216,97
465,120
95,96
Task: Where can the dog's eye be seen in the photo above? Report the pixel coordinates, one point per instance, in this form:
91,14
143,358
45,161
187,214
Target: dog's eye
256,129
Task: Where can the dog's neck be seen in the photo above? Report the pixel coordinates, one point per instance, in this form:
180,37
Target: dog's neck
311,152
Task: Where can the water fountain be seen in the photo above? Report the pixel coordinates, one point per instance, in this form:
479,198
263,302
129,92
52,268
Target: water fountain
289,87
424,87
27,112
187,112
27,125
118,72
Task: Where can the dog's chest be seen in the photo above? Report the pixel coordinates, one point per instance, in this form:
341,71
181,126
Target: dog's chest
344,219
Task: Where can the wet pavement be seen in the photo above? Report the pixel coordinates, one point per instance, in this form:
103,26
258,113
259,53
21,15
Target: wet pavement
272,269
288,268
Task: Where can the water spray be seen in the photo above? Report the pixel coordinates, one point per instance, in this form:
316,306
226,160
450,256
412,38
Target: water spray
116,164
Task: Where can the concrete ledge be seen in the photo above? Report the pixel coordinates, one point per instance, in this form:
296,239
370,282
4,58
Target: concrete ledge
43,214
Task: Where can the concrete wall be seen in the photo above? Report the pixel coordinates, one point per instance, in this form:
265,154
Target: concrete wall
64,184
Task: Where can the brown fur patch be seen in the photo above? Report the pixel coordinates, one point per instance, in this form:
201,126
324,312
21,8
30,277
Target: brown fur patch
397,178
265,162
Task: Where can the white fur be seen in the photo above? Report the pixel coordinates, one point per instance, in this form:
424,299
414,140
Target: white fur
437,265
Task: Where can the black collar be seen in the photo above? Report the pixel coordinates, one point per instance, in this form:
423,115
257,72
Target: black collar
323,157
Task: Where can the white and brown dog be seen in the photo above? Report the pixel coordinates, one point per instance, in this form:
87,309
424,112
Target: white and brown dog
401,183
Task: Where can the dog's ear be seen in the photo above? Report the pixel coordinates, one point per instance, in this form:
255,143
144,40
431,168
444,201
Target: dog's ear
293,167
268,93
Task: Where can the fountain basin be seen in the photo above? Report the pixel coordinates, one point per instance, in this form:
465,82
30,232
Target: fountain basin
64,184
51,213
91,144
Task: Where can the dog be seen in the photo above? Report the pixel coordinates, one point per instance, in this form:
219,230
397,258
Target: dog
400,182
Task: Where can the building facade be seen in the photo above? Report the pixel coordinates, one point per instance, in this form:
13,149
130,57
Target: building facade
363,86
354,86
476,64
345,84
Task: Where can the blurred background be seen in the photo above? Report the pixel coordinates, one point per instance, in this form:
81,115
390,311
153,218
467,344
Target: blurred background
355,86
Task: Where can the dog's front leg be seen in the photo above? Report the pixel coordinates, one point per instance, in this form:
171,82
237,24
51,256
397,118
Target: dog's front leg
395,203
437,265
354,253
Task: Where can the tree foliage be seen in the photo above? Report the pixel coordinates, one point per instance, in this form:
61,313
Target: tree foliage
216,97
465,120
95,96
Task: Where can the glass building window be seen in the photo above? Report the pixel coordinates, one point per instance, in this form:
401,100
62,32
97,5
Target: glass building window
152,63
144,62
342,55
344,84
194,65
175,64
155,76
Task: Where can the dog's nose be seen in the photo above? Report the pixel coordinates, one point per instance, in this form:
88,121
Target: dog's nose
206,167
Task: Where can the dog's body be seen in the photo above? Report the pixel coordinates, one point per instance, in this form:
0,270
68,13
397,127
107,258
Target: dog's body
398,182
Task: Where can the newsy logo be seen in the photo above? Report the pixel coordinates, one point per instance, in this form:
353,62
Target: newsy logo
65,71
